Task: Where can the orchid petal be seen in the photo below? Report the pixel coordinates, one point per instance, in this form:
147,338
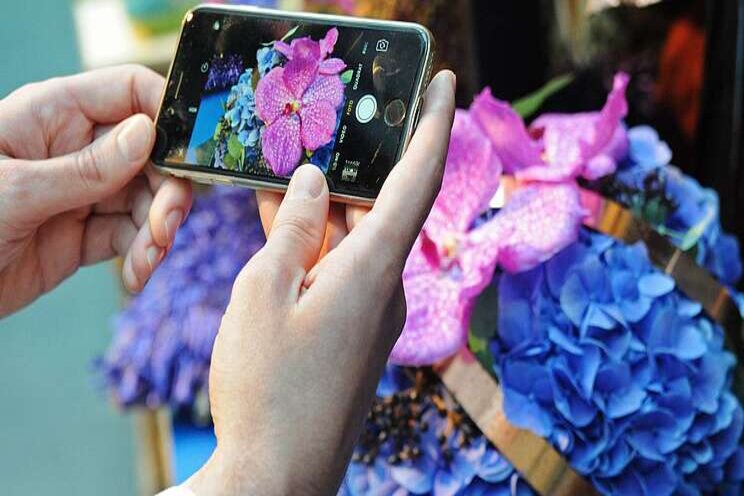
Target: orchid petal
332,66
328,89
283,48
282,146
302,70
272,96
471,178
536,223
318,124
435,325
587,144
328,42
507,132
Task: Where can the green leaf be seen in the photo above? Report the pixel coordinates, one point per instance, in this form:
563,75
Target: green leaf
347,76
234,148
483,325
530,104
217,131
231,162
479,348
290,33
205,151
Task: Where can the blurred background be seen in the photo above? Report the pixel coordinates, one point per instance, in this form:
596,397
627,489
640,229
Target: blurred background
58,431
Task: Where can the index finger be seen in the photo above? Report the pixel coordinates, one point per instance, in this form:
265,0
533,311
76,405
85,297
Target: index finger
412,186
109,95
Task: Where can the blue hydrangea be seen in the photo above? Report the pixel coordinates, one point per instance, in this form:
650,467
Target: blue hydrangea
696,216
599,352
476,469
241,113
163,339
266,59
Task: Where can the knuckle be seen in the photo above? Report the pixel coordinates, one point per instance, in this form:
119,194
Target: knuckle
88,167
299,227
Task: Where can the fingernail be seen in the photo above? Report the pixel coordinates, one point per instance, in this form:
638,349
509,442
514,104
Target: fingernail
134,138
172,221
154,254
307,183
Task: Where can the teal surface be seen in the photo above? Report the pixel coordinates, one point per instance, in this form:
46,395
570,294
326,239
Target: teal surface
58,433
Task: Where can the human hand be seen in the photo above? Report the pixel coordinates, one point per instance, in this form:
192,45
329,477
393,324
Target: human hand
304,342
76,189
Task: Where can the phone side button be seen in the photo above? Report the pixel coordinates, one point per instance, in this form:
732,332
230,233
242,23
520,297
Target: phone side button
222,180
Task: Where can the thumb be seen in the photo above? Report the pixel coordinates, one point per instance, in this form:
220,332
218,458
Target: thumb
89,175
298,230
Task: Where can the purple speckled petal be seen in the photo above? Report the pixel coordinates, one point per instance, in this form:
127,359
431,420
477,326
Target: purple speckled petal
283,48
332,66
506,130
272,96
328,89
572,141
610,117
301,71
436,321
471,178
318,124
328,42
535,224
282,146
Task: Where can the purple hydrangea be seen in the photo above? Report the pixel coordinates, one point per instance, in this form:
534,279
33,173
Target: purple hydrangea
444,464
163,339
223,72
598,352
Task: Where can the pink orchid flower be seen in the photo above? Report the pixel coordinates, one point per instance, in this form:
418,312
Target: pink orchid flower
557,147
299,102
452,261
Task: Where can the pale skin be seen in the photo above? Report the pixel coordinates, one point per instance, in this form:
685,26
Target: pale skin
313,316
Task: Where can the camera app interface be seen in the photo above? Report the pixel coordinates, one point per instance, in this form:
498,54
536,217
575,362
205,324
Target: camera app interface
259,96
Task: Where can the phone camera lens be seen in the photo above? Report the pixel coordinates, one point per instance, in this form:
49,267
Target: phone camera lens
395,113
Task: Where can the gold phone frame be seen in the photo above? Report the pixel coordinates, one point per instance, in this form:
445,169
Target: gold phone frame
207,177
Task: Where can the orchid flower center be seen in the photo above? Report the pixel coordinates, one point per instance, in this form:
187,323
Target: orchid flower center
292,107
450,249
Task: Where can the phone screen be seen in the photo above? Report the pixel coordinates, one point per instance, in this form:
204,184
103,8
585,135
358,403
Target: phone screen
256,95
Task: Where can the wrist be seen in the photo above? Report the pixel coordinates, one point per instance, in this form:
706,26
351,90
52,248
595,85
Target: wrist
229,474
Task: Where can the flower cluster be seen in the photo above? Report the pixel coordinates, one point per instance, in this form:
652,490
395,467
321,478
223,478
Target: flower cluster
163,343
300,101
418,441
693,220
241,112
223,71
454,257
598,352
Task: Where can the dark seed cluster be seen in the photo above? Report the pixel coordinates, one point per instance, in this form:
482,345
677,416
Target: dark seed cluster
395,424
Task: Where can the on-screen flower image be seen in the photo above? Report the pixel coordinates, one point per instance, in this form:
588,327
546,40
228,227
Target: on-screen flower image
299,102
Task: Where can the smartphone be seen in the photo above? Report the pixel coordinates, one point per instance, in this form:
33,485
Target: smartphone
253,93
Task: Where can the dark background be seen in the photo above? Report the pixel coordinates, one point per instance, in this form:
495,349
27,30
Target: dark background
516,55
